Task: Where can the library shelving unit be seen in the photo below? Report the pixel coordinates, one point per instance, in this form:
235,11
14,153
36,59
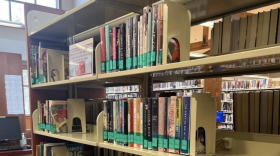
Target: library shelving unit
84,22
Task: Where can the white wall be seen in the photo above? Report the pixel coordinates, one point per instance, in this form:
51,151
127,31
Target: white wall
78,2
12,40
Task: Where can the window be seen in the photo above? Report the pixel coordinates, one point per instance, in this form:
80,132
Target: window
26,92
13,10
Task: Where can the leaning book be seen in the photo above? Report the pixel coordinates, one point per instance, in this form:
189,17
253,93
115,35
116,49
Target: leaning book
58,116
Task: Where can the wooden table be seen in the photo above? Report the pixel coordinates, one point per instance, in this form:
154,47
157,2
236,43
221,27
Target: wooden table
26,152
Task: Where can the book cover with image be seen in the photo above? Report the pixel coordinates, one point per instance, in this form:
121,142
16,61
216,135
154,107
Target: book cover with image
58,116
173,52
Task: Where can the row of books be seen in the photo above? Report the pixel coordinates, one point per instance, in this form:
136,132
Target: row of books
178,85
235,33
121,89
136,43
179,92
160,124
189,70
120,96
256,112
227,107
56,149
49,62
226,127
249,84
227,96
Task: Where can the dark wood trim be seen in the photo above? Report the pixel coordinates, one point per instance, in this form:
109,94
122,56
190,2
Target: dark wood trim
16,152
197,45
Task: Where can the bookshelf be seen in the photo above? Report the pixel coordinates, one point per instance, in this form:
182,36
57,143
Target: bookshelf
233,63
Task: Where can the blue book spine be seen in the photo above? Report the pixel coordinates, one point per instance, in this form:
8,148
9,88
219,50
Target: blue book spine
185,128
107,37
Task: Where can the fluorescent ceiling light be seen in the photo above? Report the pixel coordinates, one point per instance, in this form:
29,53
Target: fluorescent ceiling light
208,24
11,24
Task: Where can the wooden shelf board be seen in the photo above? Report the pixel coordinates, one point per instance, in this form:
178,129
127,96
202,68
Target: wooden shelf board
250,89
65,82
133,150
88,138
177,89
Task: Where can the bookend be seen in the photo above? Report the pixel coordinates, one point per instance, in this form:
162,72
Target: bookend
176,24
99,124
203,118
35,120
76,109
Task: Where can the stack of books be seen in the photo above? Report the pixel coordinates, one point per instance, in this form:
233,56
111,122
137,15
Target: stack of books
160,124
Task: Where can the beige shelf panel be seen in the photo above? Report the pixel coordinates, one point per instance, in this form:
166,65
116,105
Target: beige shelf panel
250,89
177,89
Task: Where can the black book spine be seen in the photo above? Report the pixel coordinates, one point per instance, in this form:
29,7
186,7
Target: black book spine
149,123
135,41
125,108
122,47
111,49
154,35
155,124
116,46
111,122
145,127
165,137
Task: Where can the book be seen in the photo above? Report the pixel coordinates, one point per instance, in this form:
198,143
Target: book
185,127
122,47
275,118
159,35
257,112
166,124
245,112
103,50
81,59
115,47
111,49
234,35
161,122
273,26
178,124
264,112
118,122
137,129
135,41
140,41
129,44
125,122
146,11
130,102
220,36
105,121
173,51
216,38
108,42
149,123
248,35
265,28
154,35
269,111
149,39
145,124
59,151
252,112
58,121
242,33
47,116
34,63
75,149
172,124
110,122
226,33
155,124
141,123
260,28
48,147
252,31
42,63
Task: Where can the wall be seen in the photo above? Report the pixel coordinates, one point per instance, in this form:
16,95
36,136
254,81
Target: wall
78,2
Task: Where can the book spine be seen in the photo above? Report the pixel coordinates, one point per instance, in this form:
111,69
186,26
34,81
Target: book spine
131,123
115,121
122,47
146,11
47,116
140,26
178,124
149,120
135,41
44,116
172,124
155,124
107,37
115,49
125,126
111,49
138,50
103,50
160,36
135,121
149,39
117,107
138,138
154,35
109,121
105,121
122,122
129,52
39,115
141,123
145,135
161,114
185,142
166,125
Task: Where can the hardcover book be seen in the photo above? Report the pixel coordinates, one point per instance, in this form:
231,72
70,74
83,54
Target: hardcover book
111,48
149,39
140,41
172,124
115,43
146,11
107,38
149,123
34,64
103,50
122,47
145,135
161,125
135,41
105,121
155,124
160,35
129,44
81,58
58,114
166,124
178,124
154,35
137,130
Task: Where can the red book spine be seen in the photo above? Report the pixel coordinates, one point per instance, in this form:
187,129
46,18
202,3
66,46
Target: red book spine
103,50
131,122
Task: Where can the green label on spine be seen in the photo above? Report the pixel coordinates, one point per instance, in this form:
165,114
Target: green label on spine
148,58
111,65
135,61
171,143
184,145
131,138
107,67
105,135
102,66
154,142
149,145
128,63
114,65
53,128
160,57
160,141
144,58
145,143
177,143
125,138
121,64
165,143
